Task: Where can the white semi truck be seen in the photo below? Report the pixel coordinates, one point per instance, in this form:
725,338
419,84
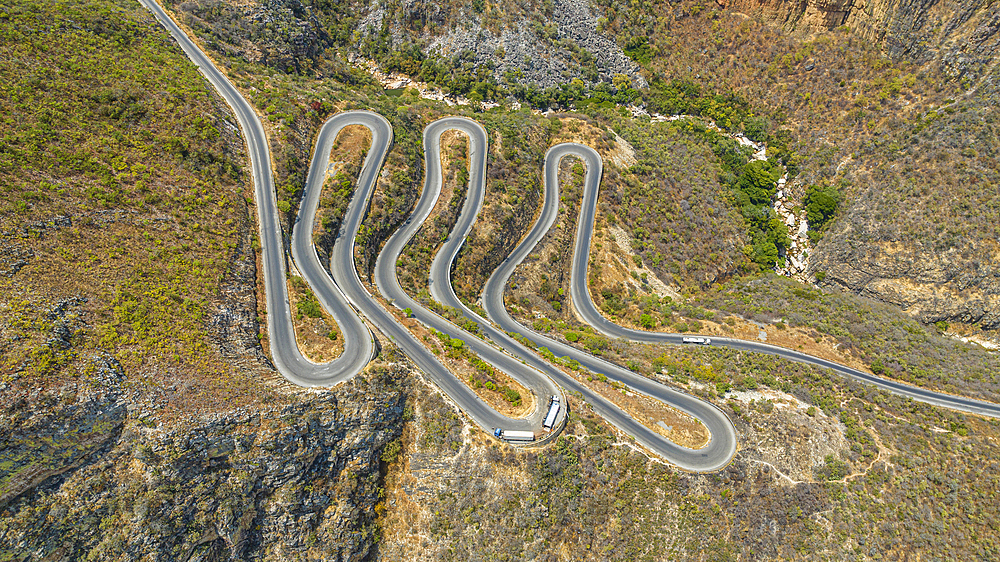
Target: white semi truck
702,341
513,435
550,417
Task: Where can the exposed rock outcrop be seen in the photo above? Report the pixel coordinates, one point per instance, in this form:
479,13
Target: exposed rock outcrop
931,286
543,60
82,476
808,14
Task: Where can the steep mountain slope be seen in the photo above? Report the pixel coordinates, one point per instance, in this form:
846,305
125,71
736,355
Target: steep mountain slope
139,416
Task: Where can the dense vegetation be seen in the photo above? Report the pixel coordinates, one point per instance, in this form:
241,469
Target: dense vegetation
821,202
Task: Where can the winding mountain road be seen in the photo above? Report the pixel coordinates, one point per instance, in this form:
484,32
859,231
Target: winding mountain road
348,288
388,283
358,340
342,293
713,456
720,449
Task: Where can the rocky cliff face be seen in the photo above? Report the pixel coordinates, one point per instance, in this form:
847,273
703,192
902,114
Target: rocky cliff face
920,226
960,34
808,14
543,54
930,289
544,46
84,475
956,283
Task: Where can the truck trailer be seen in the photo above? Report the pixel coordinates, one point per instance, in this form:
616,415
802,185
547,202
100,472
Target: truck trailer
550,417
512,435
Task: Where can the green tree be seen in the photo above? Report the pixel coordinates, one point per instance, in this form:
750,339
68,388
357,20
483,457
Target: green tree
765,253
822,202
758,182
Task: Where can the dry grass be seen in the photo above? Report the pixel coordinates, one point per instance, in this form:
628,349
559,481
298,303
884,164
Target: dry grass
415,261
580,131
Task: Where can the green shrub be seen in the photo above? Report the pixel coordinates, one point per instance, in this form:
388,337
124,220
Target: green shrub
392,451
877,367
310,307
647,322
512,396
832,469
593,342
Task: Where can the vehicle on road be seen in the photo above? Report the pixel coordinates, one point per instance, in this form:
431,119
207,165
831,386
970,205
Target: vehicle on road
511,435
701,341
550,417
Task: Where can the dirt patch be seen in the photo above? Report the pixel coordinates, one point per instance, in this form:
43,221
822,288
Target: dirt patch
316,333
581,131
616,254
352,140
654,414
